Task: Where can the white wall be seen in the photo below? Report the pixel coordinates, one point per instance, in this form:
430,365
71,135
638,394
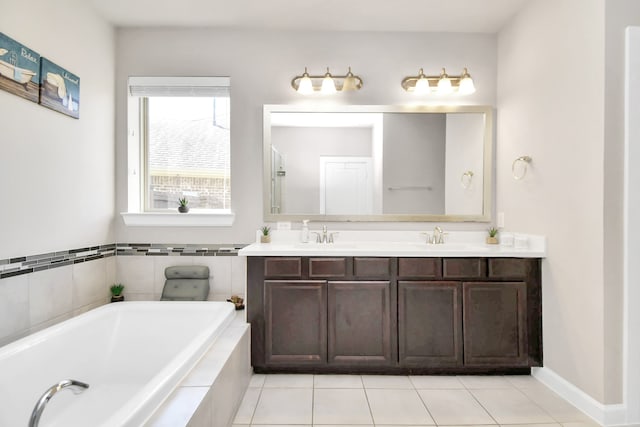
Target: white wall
551,107
57,173
631,389
619,15
261,65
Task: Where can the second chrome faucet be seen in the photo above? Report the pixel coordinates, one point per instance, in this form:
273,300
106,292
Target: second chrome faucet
324,236
437,238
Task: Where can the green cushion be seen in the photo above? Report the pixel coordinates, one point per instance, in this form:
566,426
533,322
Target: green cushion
186,283
187,272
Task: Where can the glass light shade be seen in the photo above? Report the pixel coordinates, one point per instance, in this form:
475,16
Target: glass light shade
422,86
444,86
349,83
305,86
466,86
328,85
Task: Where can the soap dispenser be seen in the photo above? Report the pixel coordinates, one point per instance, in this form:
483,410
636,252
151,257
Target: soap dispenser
304,236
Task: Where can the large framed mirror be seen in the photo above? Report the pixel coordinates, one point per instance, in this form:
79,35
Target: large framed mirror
378,163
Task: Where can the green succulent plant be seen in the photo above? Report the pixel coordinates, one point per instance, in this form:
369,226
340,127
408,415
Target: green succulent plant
116,289
493,232
183,202
265,230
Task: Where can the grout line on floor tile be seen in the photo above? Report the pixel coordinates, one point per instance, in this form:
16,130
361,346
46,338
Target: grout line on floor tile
255,408
539,406
425,405
482,406
313,397
366,396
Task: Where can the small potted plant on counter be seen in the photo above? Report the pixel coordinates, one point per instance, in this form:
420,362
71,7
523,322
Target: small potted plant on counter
182,205
265,237
116,292
492,239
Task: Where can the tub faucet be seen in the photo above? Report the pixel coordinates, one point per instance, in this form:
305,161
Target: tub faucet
76,387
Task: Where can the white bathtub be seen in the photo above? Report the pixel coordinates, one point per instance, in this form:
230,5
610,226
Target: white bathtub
132,355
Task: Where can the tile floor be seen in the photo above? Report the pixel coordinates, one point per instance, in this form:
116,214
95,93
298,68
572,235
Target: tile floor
372,400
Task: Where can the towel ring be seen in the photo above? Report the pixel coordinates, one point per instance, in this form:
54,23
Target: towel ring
525,160
465,179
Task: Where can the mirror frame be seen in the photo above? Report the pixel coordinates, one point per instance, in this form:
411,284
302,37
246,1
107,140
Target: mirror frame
487,186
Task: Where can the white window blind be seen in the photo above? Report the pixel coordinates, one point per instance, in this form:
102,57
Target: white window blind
179,86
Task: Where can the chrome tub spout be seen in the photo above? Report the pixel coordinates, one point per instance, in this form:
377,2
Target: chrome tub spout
76,386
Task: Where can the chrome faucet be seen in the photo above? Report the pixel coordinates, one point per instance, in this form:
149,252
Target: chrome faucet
76,387
324,237
438,236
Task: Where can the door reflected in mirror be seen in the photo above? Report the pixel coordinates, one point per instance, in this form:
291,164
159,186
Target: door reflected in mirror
377,163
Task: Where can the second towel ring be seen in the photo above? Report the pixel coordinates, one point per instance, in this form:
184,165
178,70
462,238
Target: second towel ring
525,160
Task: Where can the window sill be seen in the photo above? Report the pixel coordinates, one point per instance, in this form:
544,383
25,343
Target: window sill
171,219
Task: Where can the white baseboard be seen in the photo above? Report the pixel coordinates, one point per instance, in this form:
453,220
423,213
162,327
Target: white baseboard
605,415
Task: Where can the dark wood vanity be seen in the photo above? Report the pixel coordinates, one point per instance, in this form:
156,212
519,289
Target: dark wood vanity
347,314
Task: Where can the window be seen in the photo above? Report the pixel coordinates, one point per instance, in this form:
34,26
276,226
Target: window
187,152
179,136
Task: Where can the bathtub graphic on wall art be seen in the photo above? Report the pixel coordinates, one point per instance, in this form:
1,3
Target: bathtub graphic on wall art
19,69
59,89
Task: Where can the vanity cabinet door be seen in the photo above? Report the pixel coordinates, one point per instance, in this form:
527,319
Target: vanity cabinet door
295,322
495,323
430,324
360,322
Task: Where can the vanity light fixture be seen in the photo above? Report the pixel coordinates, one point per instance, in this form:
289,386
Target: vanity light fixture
325,84
442,84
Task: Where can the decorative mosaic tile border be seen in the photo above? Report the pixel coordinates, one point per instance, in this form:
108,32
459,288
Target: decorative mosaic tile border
32,263
153,249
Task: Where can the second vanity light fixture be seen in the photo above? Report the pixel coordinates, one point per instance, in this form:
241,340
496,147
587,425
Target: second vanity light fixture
325,84
443,84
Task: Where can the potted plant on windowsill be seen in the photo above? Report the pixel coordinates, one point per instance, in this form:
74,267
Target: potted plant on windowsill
265,237
492,239
116,292
182,205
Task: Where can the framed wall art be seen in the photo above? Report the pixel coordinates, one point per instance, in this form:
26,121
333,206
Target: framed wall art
59,89
19,69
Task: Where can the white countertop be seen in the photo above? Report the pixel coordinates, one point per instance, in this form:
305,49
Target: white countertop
396,244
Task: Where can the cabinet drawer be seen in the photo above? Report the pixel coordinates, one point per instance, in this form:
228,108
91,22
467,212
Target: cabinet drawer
509,267
283,267
427,268
457,268
372,267
327,267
